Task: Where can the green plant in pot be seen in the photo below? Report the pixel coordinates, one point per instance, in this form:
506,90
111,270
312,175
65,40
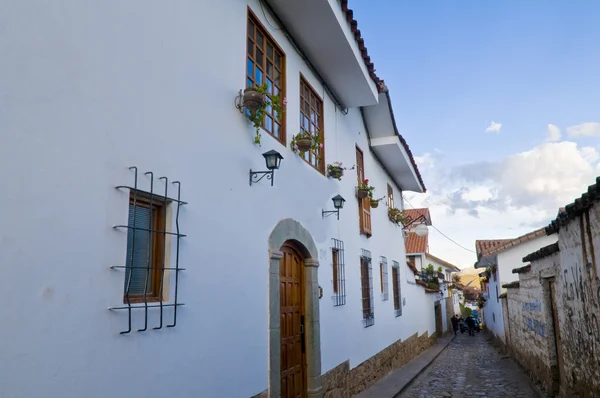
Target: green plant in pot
365,190
396,216
336,170
257,101
375,202
305,141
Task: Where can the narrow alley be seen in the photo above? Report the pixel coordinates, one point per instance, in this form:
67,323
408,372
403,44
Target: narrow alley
470,366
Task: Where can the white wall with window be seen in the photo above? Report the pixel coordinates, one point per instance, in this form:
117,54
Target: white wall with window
93,88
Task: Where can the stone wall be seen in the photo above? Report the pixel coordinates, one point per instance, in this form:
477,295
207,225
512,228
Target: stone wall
343,382
530,322
578,299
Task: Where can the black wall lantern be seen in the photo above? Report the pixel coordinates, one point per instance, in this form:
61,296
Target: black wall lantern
338,203
273,160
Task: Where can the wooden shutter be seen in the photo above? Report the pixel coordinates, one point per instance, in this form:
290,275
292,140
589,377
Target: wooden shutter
364,205
390,196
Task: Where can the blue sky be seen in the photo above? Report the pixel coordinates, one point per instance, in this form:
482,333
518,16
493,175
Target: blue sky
452,68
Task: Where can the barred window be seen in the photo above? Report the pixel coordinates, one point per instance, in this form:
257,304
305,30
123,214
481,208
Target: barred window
383,275
145,248
366,278
396,288
339,273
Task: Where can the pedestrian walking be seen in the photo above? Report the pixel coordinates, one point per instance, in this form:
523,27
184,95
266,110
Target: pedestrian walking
454,321
471,325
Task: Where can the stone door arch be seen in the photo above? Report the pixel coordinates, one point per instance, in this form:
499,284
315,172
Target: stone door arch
289,230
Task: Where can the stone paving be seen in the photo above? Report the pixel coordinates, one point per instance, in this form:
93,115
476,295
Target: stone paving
470,367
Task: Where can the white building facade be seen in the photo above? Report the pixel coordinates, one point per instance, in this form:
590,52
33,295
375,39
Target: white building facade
506,256
120,119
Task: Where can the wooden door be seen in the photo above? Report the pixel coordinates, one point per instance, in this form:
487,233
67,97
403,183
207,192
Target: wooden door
438,321
555,323
293,361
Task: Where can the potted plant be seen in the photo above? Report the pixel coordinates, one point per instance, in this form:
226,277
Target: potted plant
365,190
305,141
396,216
257,101
336,170
375,202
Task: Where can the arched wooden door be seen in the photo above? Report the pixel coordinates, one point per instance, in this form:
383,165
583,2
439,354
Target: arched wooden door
291,290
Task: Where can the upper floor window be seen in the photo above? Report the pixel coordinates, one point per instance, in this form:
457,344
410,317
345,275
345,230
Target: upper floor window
266,65
311,121
390,197
364,205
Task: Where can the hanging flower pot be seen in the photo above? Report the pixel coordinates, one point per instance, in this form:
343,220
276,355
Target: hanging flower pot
374,203
303,144
253,99
362,193
336,172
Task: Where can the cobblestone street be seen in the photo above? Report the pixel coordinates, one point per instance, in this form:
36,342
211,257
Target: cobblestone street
470,367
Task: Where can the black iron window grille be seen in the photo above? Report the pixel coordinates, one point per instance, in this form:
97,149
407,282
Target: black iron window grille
147,236
339,273
383,275
396,287
366,279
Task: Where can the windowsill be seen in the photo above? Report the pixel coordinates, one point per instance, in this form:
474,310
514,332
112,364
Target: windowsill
140,300
398,313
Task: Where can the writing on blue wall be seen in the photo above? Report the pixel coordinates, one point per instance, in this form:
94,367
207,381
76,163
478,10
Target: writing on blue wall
532,306
536,326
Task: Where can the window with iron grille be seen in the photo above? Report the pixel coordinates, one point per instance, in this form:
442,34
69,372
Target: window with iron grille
339,273
383,275
145,249
311,121
265,64
396,288
366,280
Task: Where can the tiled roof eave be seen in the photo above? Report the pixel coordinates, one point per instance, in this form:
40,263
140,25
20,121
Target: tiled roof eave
543,252
576,208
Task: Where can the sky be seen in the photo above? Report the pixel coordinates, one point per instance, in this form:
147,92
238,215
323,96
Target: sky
499,101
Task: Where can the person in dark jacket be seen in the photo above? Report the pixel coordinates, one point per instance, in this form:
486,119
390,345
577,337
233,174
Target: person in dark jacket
471,325
454,321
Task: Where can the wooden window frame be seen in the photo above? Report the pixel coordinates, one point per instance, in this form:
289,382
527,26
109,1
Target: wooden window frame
319,110
390,198
364,205
251,79
396,288
158,206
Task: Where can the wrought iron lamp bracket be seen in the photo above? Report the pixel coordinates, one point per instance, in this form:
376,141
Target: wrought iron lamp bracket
327,213
254,176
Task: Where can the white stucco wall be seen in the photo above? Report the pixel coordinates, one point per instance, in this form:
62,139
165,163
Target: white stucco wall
91,88
508,260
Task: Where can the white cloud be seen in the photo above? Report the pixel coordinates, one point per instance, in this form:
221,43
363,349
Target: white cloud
553,133
503,199
493,127
584,130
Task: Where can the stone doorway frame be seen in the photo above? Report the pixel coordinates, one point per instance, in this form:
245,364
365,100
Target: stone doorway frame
291,230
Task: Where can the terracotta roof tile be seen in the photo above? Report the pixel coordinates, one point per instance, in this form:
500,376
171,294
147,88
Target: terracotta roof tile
361,45
381,87
483,246
416,213
415,244
503,244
